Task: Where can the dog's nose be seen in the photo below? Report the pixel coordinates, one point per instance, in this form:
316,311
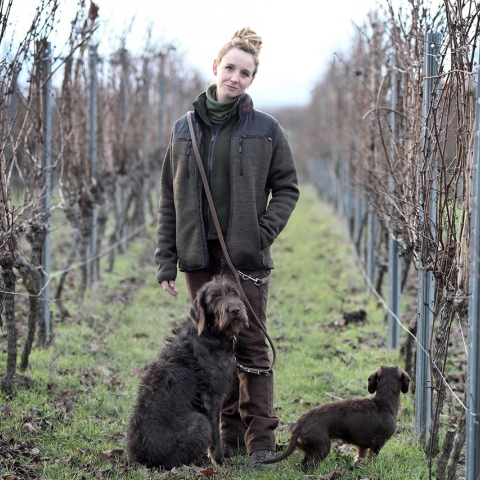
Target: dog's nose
234,310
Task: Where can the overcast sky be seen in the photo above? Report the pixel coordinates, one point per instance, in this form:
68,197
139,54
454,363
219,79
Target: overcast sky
300,37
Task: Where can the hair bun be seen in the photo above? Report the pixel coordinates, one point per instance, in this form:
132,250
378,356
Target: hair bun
247,35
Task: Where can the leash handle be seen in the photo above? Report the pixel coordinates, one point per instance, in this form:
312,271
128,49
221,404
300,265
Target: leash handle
224,249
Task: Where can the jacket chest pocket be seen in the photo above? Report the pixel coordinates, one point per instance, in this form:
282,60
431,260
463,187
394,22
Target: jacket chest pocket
255,152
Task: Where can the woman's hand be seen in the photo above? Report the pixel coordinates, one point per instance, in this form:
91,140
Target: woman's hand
169,287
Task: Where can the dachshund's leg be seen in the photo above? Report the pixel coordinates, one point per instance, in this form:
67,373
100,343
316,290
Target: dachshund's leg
315,453
361,454
376,446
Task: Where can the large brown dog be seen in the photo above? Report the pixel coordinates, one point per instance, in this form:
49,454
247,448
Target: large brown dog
366,422
176,417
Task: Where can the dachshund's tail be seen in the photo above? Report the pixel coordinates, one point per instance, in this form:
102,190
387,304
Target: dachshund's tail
288,451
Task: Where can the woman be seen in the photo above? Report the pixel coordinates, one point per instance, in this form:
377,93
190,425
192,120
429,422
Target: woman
254,186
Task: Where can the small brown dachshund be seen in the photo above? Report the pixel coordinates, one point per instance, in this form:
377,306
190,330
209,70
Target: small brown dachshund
366,423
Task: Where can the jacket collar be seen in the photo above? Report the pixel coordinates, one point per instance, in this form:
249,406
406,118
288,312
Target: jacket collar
243,106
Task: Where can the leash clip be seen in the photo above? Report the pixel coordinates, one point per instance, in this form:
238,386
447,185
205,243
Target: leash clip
256,281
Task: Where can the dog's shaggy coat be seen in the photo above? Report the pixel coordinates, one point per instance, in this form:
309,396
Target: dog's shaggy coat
176,417
366,423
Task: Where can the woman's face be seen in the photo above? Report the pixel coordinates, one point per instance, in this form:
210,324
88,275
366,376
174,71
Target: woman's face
234,74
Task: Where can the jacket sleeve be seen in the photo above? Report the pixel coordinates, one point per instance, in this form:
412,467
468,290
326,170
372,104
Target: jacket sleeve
283,184
166,251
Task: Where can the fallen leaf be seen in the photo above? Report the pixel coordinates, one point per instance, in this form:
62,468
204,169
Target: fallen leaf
208,472
101,370
28,427
331,475
8,411
119,436
109,455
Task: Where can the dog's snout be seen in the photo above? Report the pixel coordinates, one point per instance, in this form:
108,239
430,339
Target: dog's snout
234,310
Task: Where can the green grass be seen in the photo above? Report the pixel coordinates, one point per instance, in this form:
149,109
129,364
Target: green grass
71,424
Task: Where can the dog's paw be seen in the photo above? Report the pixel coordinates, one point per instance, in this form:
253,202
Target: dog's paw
217,457
358,461
307,467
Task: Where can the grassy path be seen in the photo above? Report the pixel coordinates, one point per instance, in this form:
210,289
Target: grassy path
72,424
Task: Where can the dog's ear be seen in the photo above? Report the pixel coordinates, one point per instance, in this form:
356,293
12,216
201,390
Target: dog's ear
373,380
197,311
404,380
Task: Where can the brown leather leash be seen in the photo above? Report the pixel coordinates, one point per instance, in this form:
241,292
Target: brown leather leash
235,272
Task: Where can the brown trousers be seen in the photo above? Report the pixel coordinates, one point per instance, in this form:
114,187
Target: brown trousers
248,416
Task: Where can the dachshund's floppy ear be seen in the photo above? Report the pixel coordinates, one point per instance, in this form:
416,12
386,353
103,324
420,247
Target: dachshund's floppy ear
373,380
404,380
197,312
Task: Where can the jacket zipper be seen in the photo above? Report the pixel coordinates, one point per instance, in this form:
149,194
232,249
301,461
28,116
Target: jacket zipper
210,157
209,178
240,151
189,150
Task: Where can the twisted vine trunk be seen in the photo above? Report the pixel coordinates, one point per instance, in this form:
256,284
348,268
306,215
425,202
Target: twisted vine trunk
8,380
440,351
35,234
32,281
2,300
74,217
458,443
86,205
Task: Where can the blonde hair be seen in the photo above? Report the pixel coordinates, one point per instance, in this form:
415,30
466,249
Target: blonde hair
246,40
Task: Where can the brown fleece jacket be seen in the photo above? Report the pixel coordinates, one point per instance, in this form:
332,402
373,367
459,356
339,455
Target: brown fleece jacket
263,193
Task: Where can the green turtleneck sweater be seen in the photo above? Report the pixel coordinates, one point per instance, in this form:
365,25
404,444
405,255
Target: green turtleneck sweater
221,119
